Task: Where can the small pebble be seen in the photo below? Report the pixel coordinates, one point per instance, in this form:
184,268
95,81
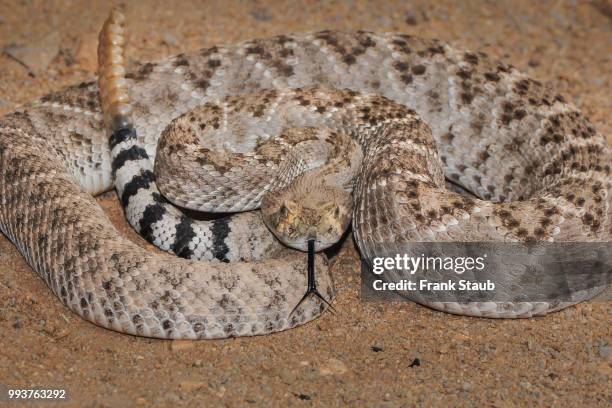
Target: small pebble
287,376
410,18
180,345
533,63
172,397
333,367
605,351
261,15
190,386
466,386
169,39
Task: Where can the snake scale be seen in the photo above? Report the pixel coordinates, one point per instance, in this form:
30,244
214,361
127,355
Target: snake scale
422,113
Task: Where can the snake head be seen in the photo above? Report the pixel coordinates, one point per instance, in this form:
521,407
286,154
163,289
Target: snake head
296,215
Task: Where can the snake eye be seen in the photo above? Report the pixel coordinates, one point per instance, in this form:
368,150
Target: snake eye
330,230
290,230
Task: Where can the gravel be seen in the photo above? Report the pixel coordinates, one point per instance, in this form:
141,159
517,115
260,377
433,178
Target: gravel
366,354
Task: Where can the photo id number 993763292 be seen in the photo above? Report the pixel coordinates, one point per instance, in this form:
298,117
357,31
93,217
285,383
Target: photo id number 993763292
21,394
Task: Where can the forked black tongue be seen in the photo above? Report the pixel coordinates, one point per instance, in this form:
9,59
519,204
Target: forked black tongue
312,282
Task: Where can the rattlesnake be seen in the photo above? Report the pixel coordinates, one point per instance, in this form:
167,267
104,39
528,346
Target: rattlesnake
537,168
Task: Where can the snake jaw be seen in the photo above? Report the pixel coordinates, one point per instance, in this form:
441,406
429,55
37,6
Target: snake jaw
312,282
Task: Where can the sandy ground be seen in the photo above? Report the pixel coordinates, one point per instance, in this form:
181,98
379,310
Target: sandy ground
366,354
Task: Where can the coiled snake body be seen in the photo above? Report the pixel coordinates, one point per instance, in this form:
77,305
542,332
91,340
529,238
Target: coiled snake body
537,168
